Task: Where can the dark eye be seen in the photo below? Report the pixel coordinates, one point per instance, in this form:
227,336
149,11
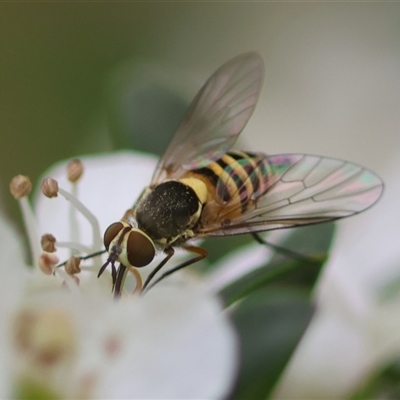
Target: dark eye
111,232
140,249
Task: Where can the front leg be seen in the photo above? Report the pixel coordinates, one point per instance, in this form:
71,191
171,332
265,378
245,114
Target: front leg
201,254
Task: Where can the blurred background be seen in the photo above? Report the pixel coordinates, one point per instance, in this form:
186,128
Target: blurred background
85,78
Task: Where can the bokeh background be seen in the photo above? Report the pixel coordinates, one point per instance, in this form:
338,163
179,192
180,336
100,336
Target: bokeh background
80,78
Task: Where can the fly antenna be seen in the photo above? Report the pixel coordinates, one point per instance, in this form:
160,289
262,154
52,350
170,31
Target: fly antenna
82,258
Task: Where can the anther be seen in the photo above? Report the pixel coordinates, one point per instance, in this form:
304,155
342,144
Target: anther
72,266
20,186
48,262
48,242
49,187
74,170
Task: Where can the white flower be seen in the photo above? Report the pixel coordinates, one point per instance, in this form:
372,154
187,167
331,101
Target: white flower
73,340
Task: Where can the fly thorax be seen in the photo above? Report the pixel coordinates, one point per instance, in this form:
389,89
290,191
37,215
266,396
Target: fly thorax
170,209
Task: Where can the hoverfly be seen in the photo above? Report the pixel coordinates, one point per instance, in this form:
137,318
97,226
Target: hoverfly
201,188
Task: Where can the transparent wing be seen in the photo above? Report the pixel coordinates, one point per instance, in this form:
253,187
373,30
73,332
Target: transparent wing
215,118
301,190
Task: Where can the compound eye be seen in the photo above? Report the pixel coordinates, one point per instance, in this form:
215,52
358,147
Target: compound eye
111,232
140,249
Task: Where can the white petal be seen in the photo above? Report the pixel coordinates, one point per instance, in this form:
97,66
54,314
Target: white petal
181,345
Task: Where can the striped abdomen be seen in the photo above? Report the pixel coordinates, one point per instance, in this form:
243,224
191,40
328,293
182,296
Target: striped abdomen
237,178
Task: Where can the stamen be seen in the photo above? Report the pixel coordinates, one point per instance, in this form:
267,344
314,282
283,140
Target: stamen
48,242
72,266
97,240
76,247
74,170
47,262
20,187
49,187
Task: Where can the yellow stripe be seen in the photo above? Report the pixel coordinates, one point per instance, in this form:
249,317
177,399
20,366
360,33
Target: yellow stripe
227,179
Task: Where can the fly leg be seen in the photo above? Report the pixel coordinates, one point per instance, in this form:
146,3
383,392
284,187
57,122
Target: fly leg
284,251
122,272
170,252
201,254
